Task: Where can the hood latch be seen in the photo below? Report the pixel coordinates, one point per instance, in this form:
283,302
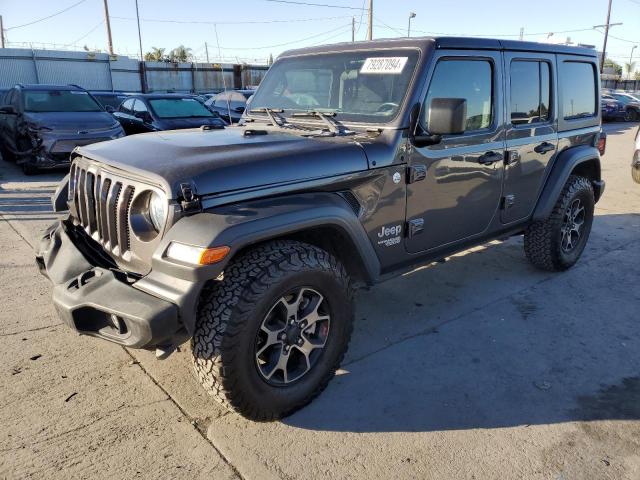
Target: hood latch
190,201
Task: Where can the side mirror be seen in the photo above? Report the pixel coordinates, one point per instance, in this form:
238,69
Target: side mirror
8,109
447,116
110,109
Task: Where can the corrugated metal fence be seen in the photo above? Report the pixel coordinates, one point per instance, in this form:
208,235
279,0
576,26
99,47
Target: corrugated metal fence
629,85
100,71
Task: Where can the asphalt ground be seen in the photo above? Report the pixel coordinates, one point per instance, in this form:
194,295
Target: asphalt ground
481,367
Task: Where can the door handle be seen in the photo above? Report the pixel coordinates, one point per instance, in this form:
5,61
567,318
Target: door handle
544,147
489,158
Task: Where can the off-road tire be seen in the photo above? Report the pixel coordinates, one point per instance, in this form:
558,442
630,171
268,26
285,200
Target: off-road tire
635,169
231,311
542,239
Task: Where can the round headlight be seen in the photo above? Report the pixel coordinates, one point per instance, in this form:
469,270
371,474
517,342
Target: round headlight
157,211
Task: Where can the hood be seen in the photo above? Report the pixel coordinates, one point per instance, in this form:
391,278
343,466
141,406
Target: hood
181,123
218,161
73,122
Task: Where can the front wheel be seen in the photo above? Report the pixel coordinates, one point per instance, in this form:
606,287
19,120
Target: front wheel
555,244
272,333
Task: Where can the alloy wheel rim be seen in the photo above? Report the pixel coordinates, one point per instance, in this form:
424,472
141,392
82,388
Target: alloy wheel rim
572,226
292,336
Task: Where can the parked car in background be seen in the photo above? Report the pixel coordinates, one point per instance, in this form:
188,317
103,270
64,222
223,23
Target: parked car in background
612,110
635,162
631,105
40,125
109,100
230,104
152,112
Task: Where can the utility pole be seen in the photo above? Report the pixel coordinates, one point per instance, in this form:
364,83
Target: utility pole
353,29
142,66
206,51
139,34
411,15
1,33
606,36
631,60
108,22
521,33
370,34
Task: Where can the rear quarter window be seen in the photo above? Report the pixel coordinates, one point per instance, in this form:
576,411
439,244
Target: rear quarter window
578,90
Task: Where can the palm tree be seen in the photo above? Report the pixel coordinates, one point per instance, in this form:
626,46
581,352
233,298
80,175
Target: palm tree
155,55
180,54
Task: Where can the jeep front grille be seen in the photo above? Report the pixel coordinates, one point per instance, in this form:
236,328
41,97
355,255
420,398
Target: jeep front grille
101,207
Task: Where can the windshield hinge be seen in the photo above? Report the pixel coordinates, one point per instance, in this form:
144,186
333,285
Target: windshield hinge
190,200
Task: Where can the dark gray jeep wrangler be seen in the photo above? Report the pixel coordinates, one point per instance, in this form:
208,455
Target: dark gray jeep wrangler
353,162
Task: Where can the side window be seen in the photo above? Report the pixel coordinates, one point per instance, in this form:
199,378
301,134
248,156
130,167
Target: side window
577,89
127,105
468,79
140,107
530,92
221,100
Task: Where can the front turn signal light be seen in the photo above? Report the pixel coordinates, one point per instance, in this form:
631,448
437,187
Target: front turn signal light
196,255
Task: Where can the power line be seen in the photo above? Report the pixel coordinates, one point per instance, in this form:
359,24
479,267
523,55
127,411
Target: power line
47,17
314,4
248,22
289,43
85,35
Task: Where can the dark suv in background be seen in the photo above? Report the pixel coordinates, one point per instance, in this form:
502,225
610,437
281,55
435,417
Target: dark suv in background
40,125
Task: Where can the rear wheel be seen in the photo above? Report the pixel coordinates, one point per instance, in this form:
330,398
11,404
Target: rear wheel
555,244
272,333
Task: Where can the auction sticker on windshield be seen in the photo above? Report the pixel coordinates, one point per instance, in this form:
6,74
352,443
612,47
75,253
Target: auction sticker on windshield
388,65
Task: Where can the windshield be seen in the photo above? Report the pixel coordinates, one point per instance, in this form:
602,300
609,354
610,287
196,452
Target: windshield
107,99
179,108
363,86
40,101
623,99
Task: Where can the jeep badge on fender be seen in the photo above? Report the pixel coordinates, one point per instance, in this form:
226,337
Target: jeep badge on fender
249,241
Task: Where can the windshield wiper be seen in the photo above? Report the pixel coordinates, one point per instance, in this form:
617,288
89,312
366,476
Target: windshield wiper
272,114
327,117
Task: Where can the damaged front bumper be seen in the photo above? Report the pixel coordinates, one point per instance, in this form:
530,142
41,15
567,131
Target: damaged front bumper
97,300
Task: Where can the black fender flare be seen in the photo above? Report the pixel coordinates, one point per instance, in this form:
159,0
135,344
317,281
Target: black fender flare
566,162
241,225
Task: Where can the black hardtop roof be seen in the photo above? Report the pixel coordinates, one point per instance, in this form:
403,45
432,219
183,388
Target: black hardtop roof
466,43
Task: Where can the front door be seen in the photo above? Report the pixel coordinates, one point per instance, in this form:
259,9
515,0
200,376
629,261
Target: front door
532,135
461,191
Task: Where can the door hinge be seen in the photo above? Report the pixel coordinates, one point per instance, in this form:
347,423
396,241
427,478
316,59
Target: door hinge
190,201
416,173
415,227
508,201
512,156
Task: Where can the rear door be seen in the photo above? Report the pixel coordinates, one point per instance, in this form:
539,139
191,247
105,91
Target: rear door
459,193
532,130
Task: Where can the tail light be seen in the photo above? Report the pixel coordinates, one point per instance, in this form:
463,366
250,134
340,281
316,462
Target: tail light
602,143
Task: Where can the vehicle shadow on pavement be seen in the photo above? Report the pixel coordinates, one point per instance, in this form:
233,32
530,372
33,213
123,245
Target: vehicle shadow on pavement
550,348
619,128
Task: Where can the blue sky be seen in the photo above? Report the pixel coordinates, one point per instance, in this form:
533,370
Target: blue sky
309,25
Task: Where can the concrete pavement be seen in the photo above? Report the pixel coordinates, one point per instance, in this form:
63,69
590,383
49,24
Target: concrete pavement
482,367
